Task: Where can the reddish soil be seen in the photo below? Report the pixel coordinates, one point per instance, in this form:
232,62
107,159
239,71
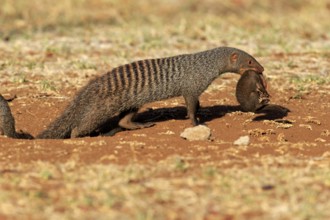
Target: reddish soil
307,137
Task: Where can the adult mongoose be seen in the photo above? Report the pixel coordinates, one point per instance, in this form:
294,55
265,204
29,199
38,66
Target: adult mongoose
7,122
126,88
251,91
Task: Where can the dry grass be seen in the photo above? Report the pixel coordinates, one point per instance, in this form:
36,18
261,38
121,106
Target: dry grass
278,188
64,43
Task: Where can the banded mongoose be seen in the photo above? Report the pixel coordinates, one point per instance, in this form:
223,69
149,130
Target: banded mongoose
7,122
126,88
251,91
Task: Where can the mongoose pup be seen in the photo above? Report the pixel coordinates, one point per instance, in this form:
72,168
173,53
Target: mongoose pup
126,88
251,91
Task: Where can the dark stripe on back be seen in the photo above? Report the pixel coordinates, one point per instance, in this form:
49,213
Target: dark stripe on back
115,78
121,80
128,76
168,73
162,74
173,69
145,74
140,81
131,79
136,81
149,74
155,72
109,82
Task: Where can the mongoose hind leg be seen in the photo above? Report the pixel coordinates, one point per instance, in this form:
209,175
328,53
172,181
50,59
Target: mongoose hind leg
74,133
83,130
127,121
88,124
192,107
113,131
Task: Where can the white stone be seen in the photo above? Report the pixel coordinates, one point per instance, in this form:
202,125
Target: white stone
197,133
243,140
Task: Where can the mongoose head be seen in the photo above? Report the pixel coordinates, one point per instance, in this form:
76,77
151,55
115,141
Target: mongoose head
241,61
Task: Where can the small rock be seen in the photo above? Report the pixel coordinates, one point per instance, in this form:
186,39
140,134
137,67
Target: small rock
325,133
197,133
281,138
320,140
243,140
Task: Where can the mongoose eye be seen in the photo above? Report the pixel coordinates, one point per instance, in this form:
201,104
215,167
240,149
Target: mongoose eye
250,62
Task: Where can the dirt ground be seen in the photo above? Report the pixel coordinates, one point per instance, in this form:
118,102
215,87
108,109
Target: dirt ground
49,50
287,154
273,132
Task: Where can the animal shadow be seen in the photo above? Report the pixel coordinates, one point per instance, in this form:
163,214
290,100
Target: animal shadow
271,112
209,113
205,114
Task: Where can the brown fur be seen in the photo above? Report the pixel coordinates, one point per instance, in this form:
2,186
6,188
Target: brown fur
7,122
251,91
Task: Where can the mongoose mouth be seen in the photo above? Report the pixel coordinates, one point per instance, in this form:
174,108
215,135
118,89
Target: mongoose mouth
242,70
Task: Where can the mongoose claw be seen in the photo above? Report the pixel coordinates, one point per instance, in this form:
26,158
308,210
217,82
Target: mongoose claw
113,131
145,125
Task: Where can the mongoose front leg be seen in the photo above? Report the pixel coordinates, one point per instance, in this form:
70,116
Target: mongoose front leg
127,123
192,107
198,106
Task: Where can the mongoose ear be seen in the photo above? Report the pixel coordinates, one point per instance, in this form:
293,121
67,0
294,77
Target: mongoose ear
233,57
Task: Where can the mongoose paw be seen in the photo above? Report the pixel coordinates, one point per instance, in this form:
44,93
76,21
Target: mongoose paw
133,126
113,131
195,122
130,125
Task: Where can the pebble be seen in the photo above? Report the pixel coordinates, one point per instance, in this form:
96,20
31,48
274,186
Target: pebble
243,140
197,133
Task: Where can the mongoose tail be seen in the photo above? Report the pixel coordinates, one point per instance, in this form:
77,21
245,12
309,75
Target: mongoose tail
251,91
128,87
7,122
62,126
